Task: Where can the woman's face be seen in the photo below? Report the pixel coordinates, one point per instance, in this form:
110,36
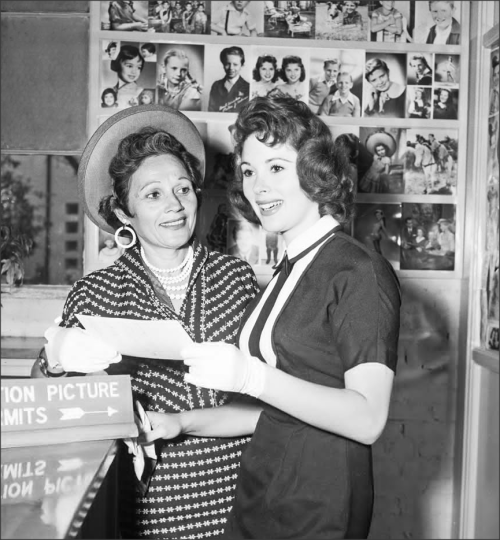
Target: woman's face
349,7
176,70
163,202
380,150
146,99
379,79
418,94
131,69
267,71
441,13
418,66
271,186
443,96
292,73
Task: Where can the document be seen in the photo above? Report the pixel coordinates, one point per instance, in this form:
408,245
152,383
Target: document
161,340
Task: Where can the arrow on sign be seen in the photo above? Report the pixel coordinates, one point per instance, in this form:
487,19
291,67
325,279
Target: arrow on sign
69,464
75,413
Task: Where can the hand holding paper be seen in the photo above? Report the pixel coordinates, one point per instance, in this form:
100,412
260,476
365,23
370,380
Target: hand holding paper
76,350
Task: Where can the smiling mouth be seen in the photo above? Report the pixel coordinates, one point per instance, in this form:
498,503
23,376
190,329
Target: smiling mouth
173,224
270,206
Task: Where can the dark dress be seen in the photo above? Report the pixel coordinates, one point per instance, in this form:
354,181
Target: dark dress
297,481
192,488
222,100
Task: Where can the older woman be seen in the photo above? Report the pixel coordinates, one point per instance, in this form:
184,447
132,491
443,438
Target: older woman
318,348
153,191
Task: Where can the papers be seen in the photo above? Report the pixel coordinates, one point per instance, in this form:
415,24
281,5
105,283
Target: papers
161,340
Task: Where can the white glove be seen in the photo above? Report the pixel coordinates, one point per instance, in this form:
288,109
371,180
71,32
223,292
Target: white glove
75,350
222,366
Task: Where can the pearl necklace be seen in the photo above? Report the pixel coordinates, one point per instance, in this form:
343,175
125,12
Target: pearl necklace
169,282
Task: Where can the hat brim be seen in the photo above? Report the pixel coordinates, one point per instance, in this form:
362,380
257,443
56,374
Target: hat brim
94,181
381,137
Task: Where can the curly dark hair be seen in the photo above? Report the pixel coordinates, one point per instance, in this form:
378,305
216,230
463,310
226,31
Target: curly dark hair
131,153
322,164
261,60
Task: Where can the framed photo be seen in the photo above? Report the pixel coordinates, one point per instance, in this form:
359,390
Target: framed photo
378,227
130,16
342,21
428,236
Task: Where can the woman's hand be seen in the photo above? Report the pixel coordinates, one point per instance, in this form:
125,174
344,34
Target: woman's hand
163,426
222,366
75,350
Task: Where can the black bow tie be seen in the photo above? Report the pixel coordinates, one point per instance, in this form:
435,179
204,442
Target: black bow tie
287,264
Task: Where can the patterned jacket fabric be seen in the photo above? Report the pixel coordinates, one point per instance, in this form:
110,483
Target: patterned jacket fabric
192,488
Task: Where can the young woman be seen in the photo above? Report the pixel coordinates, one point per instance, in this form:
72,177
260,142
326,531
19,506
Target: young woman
318,348
387,97
293,73
265,75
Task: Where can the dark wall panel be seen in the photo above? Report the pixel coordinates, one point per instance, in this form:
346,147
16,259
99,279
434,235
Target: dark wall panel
44,82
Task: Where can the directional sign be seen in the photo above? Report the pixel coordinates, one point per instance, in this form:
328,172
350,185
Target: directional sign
49,411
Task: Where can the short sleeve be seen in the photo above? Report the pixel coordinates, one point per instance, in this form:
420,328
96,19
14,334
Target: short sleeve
367,315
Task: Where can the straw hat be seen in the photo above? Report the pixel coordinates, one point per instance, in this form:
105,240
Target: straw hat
94,181
381,137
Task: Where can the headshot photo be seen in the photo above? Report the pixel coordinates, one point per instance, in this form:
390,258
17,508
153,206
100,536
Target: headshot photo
294,76
437,22
385,85
430,161
148,51
390,22
427,236
379,168
109,49
228,78
128,74
265,73
325,66
420,69
180,76
346,20
445,105
124,15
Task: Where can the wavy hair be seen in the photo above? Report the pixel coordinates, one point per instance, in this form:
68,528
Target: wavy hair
132,151
322,164
260,62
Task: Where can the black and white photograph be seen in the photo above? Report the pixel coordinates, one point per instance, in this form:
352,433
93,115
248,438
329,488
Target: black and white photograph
445,103
430,161
124,79
344,20
391,22
447,70
180,17
438,22
380,168
420,69
290,19
384,85
180,76
294,73
237,19
124,15
428,236
328,97
378,227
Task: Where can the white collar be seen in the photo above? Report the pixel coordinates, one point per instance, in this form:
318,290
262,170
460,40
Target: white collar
313,234
337,96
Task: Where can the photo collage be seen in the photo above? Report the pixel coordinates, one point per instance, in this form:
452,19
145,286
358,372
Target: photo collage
419,157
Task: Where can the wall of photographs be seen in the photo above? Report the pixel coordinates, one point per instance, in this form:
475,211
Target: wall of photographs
391,81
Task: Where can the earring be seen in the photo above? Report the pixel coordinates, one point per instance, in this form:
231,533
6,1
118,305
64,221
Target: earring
128,229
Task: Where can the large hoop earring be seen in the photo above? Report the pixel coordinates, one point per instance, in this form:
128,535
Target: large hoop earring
117,237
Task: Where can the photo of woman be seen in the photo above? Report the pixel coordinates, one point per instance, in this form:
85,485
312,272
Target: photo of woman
419,102
445,104
293,76
265,76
